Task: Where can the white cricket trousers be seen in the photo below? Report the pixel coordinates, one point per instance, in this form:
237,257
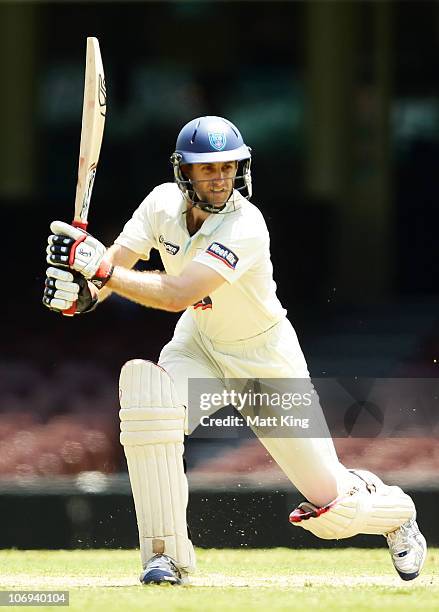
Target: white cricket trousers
311,464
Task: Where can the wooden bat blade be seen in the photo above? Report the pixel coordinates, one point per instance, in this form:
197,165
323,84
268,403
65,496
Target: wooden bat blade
93,121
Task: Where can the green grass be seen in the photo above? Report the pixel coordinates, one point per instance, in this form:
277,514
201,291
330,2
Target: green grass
275,579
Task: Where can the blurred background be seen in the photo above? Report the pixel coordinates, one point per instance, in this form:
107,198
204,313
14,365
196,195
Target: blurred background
340,104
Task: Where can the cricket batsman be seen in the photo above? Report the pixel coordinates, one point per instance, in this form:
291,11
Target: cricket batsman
215,249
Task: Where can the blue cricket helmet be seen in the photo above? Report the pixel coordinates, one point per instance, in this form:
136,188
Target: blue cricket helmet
207,140
210,139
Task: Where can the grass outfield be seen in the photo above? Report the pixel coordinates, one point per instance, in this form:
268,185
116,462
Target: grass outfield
275,579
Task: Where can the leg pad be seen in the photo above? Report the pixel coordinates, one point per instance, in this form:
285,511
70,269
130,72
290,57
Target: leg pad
152,433
371,507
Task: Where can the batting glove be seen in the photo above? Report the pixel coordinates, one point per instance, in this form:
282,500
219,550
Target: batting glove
67,292
71,247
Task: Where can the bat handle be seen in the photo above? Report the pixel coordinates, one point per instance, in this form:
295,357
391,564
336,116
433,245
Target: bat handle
71,311
80,224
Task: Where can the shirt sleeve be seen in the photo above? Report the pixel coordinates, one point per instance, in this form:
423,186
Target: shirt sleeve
232,256
138,234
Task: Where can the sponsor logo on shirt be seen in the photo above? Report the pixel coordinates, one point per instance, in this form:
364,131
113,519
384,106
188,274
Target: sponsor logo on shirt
171,248
223,254
205,303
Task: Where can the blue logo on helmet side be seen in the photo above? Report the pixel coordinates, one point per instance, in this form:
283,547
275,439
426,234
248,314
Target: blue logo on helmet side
217,140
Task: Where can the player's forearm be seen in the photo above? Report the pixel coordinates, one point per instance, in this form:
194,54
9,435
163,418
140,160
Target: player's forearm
151,289
118,256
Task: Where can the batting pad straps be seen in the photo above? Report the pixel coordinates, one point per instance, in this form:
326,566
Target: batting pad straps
370,508
152,433
151,425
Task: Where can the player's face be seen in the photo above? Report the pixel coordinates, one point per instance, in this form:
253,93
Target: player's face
213,182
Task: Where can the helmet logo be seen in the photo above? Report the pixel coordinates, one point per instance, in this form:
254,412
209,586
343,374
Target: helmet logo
217,140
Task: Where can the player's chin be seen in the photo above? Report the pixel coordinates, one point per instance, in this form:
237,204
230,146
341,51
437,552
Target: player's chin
218,198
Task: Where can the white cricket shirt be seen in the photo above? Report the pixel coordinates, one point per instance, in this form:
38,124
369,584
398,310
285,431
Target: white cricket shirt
235,244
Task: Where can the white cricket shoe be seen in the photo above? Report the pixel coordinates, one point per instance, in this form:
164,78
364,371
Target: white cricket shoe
408,549
162,569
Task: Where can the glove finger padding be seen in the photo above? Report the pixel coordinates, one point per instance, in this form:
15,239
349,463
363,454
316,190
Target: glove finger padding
67,292
61,295
58,255
57,304
60,292
74,248
59,239
64,229
62,275
59,244
71,288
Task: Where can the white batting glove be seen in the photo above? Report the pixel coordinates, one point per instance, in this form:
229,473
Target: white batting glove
67,293
73,248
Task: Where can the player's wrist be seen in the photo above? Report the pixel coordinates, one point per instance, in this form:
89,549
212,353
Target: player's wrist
102,274
115,278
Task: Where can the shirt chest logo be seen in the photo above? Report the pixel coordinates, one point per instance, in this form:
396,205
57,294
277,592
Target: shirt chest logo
223,254
170,247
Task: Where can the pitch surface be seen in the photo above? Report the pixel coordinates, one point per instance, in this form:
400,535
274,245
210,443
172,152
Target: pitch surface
274,579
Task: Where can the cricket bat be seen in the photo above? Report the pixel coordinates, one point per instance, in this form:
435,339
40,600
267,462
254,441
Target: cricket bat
94,109
93,121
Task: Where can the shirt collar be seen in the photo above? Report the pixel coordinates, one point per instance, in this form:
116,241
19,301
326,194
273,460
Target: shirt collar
213,221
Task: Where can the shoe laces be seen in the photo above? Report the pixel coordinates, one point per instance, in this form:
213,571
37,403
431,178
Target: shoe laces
399,539
162,562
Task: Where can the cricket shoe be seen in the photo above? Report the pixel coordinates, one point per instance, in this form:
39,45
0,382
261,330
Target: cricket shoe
408,549
161,569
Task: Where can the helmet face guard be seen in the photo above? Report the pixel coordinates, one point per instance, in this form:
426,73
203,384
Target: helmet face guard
209,140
